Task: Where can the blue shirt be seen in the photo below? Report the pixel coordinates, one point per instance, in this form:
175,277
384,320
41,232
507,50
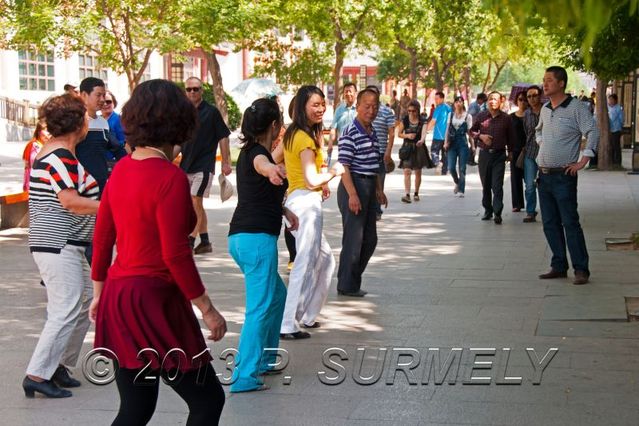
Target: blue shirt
383,122
441,121
615,115
115,127
343,117
358,150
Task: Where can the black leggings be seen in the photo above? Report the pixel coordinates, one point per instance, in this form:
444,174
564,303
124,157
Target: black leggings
137,401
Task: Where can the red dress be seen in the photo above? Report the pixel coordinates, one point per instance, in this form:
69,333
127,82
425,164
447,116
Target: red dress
146,211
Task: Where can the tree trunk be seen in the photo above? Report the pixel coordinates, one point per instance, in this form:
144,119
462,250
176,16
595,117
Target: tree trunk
604,161
467,84
483,87
337,73
413,73
218,88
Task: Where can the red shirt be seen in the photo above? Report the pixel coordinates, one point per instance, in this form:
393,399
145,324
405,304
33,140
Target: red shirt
146,211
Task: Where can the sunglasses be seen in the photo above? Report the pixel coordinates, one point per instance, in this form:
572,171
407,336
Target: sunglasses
108,102
192,89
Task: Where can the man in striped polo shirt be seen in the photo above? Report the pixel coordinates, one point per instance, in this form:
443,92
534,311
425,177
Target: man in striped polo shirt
358,194
562,122
384,125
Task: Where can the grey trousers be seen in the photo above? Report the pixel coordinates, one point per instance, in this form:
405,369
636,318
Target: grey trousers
69,294
359,237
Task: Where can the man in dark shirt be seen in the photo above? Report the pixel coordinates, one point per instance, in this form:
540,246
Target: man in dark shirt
495,132
198,158
92,151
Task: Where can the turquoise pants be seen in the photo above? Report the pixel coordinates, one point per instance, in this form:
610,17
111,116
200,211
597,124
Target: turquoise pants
256,255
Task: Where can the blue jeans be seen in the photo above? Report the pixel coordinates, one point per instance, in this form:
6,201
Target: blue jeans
437,150
530,179
461,152
256,255
558,203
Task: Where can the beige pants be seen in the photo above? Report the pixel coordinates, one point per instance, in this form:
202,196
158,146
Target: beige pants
69,293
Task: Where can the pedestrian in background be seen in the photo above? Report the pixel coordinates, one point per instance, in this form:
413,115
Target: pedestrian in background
457,138
411,129
531,119
31,150
517,173
615,117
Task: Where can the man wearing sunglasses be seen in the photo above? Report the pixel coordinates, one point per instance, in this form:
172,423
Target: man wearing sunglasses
198,158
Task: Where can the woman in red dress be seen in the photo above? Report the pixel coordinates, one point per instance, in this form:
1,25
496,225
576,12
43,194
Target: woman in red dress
142,302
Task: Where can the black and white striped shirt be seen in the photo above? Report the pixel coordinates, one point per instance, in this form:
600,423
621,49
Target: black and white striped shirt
51,226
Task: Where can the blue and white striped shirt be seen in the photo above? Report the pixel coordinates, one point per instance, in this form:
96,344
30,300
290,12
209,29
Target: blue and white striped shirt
359,150
384,121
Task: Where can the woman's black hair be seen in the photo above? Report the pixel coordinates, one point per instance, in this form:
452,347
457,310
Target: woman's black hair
300,120
257,120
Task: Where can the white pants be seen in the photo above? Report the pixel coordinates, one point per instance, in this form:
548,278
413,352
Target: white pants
314,263
69,293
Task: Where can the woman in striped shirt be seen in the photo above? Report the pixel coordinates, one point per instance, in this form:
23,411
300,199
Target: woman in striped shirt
62,207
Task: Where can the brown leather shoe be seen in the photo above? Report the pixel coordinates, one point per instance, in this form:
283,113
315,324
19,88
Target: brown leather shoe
553,274
581,278
203,248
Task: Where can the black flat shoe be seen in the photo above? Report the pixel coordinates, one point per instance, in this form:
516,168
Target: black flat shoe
295,336
487,216
498,220
62,378
316,324
358,293
46,388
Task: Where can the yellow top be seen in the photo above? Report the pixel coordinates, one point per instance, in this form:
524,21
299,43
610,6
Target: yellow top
293,162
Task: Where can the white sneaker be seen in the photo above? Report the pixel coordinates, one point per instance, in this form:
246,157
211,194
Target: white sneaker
456,189
461,195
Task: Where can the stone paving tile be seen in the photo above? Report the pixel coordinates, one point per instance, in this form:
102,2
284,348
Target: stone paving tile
619,330
584,308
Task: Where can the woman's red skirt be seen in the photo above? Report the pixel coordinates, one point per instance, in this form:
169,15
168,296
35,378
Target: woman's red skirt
146,320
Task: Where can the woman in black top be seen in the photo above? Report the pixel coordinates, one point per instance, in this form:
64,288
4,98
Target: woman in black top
255,227
517,174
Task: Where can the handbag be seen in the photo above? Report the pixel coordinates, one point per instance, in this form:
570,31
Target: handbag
520,159
406,151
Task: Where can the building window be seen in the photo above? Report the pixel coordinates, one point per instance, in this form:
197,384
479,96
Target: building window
89,67
177,72
36,71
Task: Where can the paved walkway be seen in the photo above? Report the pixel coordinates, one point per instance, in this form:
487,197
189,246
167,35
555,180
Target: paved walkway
440,278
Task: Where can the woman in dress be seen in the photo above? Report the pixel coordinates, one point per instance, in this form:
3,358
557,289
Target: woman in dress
143,300
314,264
456,143
261,185
62,207
410,129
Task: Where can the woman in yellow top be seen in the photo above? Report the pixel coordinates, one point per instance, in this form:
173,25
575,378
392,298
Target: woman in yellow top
314,264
